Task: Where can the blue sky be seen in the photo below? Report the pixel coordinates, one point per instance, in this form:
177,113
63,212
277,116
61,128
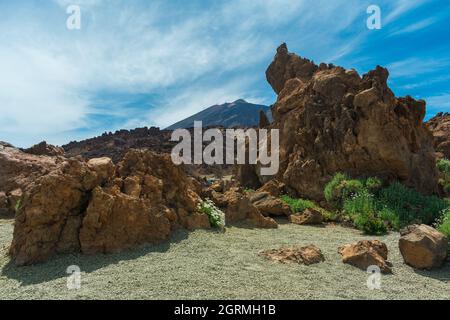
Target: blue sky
144,63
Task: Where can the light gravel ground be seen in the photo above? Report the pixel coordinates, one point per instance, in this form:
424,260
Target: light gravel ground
209,265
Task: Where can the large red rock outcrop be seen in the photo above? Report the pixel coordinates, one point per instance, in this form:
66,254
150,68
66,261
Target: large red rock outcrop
333,120
439,125
96,207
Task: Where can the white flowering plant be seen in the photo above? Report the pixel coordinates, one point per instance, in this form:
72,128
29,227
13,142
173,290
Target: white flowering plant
216,216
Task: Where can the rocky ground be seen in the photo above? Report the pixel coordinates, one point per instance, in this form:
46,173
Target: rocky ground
210,265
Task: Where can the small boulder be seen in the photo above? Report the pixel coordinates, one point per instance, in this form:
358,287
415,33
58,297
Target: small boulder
309,216
274,187
366,253
423,247
302,255
269,205
240,208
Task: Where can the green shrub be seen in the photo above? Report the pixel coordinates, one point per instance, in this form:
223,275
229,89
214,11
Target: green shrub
410,205
362,210
370,223
373,208
298,205
341,188
18,204
216,216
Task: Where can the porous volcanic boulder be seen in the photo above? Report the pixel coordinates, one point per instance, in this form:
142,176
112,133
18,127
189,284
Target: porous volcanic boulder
274,187
439,125
19,169
269,205
238,207
423,247
333,120
95,207
302,255
307,217
41,226
366,253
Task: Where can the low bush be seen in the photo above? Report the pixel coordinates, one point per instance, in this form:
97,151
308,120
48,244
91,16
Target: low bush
298,205
443,223
216,216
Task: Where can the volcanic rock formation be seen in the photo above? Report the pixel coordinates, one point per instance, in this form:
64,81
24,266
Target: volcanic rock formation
96,207
332,120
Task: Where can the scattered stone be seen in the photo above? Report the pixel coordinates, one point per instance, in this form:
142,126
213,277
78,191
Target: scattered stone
423,247
366,253
302,255
269,205
307,217
239,208
274,187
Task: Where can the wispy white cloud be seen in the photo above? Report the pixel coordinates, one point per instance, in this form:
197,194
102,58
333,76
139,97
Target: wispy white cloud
415,66
415,26
190,54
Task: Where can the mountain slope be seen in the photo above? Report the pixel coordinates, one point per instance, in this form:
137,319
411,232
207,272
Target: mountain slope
239,113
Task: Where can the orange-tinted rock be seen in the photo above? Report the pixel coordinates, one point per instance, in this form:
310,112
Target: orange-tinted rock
366,253
239,208
96,208
269,205
333,120
302,255
274,187
307,217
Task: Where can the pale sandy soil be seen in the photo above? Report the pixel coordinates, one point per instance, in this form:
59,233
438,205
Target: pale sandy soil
210,265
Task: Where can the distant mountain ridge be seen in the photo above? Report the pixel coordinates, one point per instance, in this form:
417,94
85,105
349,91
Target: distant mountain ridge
239,113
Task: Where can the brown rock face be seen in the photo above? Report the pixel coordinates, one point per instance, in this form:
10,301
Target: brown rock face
423,247
19,169
274,187
366,253
302,255
440,127
332,120
309,216
238,207
95,207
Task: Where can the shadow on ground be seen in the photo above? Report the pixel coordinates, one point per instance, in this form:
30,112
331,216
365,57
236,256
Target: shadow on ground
442,274
56,267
